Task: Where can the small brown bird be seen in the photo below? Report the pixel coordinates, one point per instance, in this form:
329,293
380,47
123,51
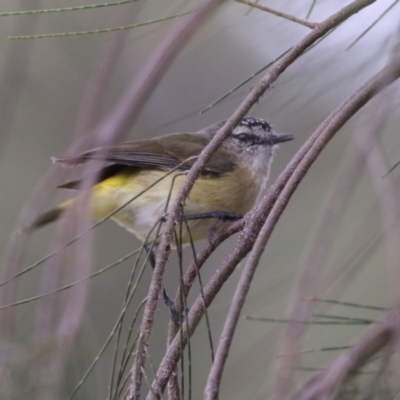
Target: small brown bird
230,183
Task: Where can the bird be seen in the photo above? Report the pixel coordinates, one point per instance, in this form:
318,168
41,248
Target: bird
150,172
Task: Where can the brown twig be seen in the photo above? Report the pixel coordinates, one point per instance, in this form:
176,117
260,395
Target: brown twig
289,17
312,149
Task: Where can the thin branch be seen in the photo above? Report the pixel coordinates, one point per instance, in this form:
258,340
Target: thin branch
97,31
348,304
289,17
308,322
56,10
310,351
310,10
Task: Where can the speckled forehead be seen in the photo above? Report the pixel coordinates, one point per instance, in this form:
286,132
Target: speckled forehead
256,123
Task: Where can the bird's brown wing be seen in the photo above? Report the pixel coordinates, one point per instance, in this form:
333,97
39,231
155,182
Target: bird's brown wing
164,153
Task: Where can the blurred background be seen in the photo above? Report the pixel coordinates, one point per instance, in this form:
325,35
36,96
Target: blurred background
44,83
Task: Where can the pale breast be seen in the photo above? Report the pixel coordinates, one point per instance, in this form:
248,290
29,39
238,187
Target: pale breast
234,192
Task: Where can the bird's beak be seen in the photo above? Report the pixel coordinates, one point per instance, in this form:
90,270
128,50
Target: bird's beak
276,138
279,138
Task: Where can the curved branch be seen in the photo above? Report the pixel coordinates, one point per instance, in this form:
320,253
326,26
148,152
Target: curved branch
257,91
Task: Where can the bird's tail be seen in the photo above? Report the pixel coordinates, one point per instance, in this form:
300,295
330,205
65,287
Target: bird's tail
50,216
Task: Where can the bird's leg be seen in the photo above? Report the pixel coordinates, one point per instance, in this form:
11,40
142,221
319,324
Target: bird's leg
221,217
173,312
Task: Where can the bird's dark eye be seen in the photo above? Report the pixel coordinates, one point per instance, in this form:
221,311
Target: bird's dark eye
243,137
248,138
